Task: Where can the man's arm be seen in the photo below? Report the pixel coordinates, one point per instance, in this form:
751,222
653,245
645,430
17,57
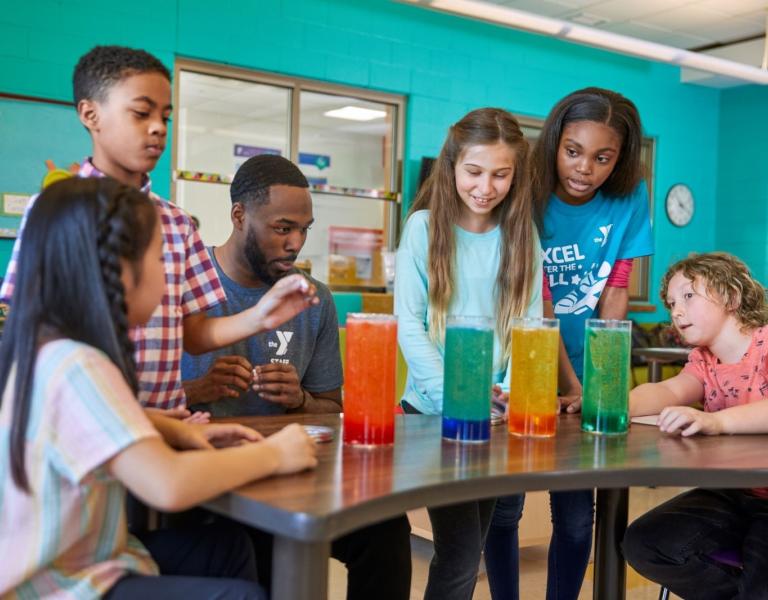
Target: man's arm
321,402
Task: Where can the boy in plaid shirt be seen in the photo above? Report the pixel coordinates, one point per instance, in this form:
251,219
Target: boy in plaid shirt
123,98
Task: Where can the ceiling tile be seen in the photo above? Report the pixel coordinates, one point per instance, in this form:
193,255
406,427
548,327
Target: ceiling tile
727,30
624,10
736,7
685,18
544,8
657,34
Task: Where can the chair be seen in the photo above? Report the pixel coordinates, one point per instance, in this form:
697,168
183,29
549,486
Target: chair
727,557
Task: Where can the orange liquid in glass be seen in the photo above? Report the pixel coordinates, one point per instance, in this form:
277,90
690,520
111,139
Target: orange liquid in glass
369,386
533,382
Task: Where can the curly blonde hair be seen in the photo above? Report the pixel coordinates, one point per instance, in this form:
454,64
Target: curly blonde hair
728,280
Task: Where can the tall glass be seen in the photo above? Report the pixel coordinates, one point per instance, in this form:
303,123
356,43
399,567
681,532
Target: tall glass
533,380
468,379
369,386
605,404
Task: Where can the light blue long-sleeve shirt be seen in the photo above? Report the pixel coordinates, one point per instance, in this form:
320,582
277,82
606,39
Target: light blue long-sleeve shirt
477,266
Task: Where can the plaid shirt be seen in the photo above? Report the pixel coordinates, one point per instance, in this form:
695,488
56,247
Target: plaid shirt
192,286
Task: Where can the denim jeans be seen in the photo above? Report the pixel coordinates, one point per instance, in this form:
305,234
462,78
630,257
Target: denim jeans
569,548
672,544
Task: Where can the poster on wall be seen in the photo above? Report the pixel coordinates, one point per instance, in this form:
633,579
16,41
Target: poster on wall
243,152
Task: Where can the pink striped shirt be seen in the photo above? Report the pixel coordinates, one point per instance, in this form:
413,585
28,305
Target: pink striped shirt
192,286
68,538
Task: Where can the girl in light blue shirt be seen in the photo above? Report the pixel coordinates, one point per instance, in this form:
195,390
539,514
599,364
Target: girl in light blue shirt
469,247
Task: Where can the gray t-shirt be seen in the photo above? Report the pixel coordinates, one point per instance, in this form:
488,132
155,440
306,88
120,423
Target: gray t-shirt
309,342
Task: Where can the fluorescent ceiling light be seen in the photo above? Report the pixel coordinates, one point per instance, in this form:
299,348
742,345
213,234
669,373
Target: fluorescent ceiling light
502,15
355,113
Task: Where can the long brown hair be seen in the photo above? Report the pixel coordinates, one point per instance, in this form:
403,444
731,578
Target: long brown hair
484,126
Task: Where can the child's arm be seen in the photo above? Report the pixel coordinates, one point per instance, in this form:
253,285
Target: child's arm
173,481
568,384
613,303
184,435
286,299
652,398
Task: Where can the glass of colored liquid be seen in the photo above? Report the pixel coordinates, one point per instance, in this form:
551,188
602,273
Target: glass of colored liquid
605,403
369,381
533,380
467,379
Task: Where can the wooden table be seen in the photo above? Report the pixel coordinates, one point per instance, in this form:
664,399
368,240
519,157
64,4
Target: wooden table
656,357
354,487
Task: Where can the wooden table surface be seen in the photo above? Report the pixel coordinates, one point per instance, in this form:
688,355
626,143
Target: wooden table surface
353,487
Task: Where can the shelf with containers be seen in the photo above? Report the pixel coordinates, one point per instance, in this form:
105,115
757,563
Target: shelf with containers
346,141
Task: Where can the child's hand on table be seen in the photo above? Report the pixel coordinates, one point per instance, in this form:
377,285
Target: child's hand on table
295,449
688,421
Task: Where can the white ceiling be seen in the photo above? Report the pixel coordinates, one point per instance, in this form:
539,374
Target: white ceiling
688,24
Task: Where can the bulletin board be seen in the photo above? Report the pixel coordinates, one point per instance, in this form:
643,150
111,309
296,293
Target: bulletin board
33,132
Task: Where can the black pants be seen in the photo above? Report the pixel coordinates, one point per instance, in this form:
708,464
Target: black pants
673,543
459,532
209,562
377,557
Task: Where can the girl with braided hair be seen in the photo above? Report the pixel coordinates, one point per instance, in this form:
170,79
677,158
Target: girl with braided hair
73,437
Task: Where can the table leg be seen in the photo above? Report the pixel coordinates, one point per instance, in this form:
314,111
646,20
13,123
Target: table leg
610,525
299,569
654,371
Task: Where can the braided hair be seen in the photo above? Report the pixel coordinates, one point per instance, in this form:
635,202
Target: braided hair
68,285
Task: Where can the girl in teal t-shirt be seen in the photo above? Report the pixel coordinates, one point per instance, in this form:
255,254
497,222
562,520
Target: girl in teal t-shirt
592,212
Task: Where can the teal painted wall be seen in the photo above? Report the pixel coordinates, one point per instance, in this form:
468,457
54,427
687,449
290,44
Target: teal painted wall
742,187
444,65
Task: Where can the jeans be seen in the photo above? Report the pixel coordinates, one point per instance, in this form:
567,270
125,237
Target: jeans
672,544
458,533
569,548
211,562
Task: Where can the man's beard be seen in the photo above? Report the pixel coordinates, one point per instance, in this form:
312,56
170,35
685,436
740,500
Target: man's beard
258,262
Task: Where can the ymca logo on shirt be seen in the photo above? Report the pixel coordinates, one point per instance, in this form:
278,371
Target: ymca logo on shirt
283,339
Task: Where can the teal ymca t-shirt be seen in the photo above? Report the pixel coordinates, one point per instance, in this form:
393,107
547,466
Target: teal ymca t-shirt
580,245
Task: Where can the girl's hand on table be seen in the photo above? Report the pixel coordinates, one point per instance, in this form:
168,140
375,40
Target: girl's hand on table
295,449
181,413
570,402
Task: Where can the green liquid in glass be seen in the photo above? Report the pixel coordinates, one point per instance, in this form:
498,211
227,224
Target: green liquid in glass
605,407
468,373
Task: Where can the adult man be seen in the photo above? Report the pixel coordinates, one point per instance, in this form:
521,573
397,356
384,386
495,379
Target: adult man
294,368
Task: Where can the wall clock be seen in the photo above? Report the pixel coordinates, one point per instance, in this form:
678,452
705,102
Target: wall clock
680,204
